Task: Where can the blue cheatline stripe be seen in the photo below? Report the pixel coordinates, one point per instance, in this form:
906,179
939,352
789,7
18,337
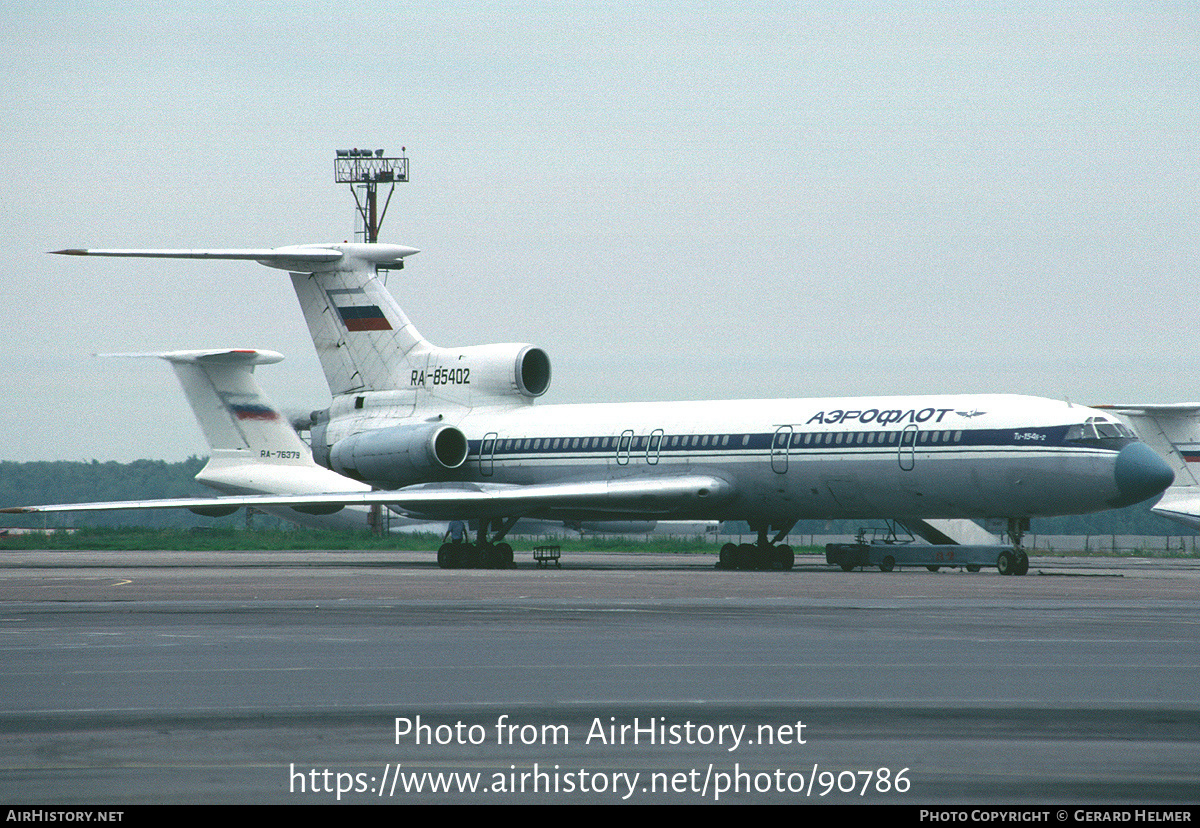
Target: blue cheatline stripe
823,442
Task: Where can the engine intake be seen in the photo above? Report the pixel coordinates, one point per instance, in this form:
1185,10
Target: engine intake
533,372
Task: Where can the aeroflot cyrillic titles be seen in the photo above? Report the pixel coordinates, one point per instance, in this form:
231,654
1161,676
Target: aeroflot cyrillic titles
883,416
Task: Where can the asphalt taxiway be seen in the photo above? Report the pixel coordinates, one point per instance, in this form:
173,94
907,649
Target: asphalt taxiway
266,677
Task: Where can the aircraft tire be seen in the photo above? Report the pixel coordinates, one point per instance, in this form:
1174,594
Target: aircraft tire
933,568
1006,563
973,567
444,557
1021,566
468,556
506,555
887,564
489,557
785,558
745,556
727,558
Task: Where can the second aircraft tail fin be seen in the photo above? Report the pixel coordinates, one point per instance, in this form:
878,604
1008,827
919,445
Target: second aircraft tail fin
1172,430
254,449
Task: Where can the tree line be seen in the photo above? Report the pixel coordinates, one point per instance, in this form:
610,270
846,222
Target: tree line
72,481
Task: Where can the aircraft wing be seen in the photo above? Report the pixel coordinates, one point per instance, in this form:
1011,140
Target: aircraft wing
644,495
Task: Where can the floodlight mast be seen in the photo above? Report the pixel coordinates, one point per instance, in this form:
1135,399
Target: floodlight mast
369,168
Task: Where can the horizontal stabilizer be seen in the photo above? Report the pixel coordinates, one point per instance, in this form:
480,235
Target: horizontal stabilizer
215,356
306,258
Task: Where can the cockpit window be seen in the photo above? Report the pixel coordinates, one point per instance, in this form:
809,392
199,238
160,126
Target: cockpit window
1101,433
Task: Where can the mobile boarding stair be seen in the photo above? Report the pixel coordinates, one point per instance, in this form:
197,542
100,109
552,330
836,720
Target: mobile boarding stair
894,545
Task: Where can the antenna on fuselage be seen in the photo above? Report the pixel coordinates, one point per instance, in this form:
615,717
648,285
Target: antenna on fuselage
364,170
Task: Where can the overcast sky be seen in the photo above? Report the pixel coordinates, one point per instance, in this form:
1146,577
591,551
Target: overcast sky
676,201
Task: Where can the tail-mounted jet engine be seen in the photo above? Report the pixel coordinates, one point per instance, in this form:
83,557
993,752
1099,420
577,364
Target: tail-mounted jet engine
400,455
488,373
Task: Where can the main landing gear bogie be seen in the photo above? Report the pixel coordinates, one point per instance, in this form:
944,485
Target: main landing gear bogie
475,556
752,557
487,552
767,555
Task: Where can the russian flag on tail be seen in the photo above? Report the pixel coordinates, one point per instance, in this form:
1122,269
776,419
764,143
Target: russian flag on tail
364,318
253,411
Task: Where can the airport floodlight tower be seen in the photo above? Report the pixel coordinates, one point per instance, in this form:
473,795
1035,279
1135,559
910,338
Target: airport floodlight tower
366,169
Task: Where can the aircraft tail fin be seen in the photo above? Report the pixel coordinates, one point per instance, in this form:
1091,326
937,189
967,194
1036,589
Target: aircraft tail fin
1172,430
365,341
229,405
363,338
254,449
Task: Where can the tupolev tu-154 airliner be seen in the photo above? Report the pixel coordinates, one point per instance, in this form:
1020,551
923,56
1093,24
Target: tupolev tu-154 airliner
454,433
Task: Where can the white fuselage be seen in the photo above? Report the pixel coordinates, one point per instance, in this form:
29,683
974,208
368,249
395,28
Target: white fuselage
931,457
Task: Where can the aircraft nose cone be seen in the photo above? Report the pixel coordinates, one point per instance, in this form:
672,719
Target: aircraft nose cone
1140,474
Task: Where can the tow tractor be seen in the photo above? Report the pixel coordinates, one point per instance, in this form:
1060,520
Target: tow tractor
893,545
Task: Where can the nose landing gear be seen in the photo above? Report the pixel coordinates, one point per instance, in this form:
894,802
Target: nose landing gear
1014,561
